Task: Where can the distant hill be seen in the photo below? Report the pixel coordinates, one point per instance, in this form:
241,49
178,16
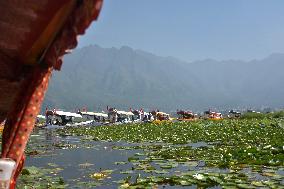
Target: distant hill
96,77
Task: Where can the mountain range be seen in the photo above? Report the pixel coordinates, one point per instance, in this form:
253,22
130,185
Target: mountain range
97,77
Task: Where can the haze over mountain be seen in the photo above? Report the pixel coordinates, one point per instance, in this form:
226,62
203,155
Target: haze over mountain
96,77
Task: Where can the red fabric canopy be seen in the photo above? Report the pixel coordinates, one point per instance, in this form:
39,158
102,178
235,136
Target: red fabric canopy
34,36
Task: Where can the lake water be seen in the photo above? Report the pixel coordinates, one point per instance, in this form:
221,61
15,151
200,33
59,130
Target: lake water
79,159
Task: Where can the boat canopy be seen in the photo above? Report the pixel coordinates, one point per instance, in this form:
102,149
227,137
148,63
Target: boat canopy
101,115
40,116
70,114
94,114
125,113
162,113
185,112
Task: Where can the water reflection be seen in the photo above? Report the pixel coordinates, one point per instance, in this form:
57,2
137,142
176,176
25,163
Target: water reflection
96,155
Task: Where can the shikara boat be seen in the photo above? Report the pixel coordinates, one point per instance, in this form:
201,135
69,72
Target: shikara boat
211,115
186,116
35,35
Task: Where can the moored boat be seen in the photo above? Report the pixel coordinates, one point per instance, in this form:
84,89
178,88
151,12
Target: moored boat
186,116
211,115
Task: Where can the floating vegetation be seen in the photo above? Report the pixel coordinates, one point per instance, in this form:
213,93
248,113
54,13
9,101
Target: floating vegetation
101,175
232,142
237,153
41,178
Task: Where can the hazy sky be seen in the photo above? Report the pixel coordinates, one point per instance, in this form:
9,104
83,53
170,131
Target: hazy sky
192,29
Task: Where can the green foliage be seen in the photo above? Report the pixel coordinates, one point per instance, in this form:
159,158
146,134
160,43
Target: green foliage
248,141
254,115
230,153
279,114
40,178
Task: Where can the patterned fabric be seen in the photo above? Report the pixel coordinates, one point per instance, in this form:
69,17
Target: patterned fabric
21,118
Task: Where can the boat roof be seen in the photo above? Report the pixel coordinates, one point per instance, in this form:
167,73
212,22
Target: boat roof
163,113
185,112
125,113
40,116
70,114
94,114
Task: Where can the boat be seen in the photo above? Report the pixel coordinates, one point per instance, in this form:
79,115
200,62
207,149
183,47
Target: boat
97,118
112,115
40,120
119,116
234,114
211,115
186,115
125,117
161,117
62,118
35,35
